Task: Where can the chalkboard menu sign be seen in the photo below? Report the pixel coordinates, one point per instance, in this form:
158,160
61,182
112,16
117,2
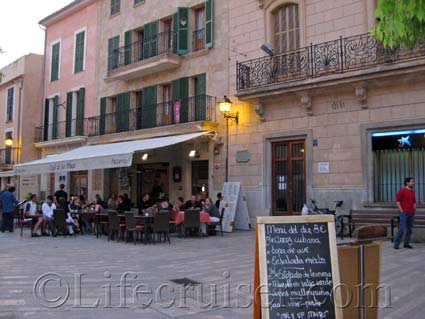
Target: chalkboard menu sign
298,267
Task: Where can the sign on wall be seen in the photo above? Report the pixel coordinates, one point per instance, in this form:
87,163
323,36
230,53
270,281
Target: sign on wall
323,167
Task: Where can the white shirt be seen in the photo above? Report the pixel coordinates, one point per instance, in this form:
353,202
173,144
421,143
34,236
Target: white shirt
31,208
48,210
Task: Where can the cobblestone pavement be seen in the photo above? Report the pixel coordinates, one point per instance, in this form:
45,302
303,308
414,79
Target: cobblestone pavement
91,270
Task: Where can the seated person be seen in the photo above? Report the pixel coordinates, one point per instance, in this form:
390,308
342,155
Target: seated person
72,221
192,204
47,210
121,205
127,203
212,210
31,212
146,201
112,201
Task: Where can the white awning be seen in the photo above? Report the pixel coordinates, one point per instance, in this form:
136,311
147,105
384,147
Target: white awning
111,155
9,173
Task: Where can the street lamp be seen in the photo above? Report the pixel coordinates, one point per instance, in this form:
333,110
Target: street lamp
8,142
225,106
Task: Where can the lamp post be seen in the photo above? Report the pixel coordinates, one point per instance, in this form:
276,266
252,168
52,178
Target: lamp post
225,106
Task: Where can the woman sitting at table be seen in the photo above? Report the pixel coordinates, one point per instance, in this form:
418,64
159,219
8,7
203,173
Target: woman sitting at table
112,201
120,205
211,209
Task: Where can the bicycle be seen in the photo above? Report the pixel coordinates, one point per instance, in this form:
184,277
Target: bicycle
326,211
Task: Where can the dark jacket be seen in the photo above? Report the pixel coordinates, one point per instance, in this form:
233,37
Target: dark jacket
190,205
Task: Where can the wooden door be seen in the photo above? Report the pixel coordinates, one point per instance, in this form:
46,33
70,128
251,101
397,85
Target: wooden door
166,105
288,177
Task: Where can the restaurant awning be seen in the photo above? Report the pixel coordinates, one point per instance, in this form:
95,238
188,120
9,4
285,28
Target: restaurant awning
112,155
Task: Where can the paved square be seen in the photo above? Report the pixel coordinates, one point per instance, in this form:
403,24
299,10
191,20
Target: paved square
117,280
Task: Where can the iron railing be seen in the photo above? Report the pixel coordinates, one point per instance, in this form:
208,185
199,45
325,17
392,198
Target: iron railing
198,40
149,47
192,109
337,56
9,156
61,130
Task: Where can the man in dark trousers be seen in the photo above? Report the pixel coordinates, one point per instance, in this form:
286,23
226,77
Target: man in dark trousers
9,201
61,193
406,203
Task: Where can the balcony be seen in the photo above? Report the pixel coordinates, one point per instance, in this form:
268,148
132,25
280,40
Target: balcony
61,133
9,156
155,54
178,113
317,63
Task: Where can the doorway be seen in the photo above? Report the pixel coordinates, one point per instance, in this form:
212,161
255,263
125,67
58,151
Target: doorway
153,179
79,182
200,177
288,177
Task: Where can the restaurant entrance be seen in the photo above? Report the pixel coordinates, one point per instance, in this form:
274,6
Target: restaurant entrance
78,183
200,177
153,179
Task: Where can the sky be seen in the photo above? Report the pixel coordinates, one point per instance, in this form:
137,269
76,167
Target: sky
20,33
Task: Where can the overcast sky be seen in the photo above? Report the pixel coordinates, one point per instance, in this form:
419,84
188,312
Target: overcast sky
20,33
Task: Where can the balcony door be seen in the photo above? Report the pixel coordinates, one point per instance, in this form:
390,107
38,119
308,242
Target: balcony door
8,149
166,105
200,29
168,26
288,177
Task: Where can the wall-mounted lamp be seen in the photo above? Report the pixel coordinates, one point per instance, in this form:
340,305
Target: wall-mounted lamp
8,142
192,153
145,157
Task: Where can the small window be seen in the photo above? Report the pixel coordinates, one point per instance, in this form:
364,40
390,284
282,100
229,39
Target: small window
10,103
54,70
79,51
115,7
136,2
286,28
113,52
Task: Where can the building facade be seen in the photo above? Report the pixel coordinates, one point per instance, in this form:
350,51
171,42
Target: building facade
148,72
20,90
70,85
328,113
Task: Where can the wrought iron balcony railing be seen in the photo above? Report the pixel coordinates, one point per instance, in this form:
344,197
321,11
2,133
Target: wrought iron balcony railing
198,40
61,130
192,109
155,45
338,56
9,156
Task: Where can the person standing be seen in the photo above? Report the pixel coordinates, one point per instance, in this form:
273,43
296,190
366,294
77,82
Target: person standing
9,201
61,194
406,203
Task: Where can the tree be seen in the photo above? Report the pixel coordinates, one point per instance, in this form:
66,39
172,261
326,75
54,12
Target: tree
400,22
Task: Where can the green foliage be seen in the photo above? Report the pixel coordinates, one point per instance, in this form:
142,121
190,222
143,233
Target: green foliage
400,22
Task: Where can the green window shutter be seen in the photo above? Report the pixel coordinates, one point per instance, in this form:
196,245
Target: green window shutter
80,112
184,99
149,105
118,113
10,102
209,25
68,127
113,46
54,72
46,120
201,97
183,31
115,6
125,111
138,1
79,52
175,28
146,40
102,124
154,38
127,40
55,117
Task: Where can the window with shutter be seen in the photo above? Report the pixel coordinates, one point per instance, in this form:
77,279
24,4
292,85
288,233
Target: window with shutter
149,105
113,53
209,29
128,50
184,99
68,125
286,28
80,112
102,118
115,7
55,56
55,117
79,51
46,119
123,112
136,2
200,99
10,103
182,31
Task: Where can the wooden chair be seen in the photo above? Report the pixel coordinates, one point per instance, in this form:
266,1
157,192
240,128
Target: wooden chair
192,222
131,227
161,225
114,225
220,222
22,221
